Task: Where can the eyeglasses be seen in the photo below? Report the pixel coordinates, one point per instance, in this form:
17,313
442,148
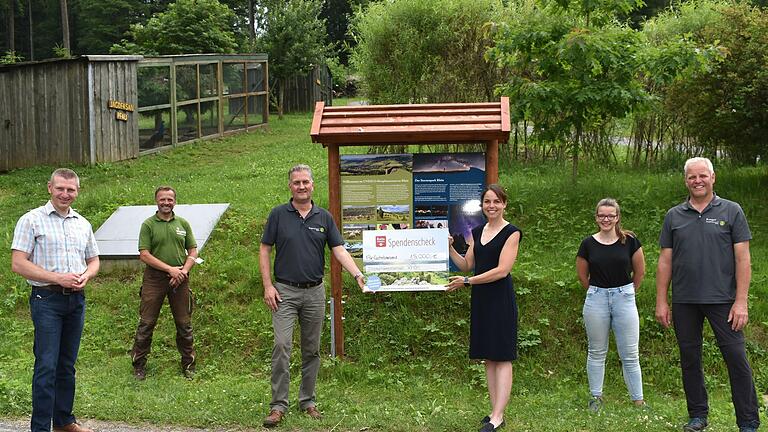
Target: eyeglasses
606,217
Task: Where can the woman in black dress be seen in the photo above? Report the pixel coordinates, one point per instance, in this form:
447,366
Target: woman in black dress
493,328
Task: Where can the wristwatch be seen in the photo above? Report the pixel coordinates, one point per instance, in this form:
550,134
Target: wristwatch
466,281
358,276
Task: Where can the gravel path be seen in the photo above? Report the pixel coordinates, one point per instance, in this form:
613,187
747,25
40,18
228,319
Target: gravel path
103,426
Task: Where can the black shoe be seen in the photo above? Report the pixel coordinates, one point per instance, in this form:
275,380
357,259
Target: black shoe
139,373
488,427
486,419
695,424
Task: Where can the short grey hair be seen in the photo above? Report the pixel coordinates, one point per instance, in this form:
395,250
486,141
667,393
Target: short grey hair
300,167
696,160
65,173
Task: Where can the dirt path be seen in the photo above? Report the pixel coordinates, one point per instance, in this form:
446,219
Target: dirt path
104,426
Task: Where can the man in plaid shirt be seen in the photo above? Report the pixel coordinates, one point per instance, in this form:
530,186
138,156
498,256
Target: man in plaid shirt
55,250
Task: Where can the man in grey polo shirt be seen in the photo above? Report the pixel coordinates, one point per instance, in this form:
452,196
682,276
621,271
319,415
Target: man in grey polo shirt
299,231
705,254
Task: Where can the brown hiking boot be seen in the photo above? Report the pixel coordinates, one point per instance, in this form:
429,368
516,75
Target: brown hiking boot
274,417
313,412
72,427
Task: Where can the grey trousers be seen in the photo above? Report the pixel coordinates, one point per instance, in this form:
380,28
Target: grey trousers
308,304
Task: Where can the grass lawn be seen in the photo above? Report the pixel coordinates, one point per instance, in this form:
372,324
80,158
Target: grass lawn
407,366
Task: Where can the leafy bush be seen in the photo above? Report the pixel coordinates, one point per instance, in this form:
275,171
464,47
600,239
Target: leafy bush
415,51
721,108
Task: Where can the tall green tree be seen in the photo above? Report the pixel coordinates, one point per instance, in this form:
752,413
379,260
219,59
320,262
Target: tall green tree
722,110
187,27
337,15
294,38
99,24
572,71
575,69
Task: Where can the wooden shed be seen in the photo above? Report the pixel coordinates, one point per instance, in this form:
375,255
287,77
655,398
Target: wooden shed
302,92
78,110
370,125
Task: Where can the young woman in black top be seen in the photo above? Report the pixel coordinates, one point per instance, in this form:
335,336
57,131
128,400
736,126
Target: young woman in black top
611,266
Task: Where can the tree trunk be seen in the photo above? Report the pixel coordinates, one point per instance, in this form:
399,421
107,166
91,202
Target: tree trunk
65,25
31,32
280,95
251,23
575,153
11,26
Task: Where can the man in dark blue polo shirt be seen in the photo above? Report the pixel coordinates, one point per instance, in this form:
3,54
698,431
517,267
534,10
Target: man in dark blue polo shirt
705,254
299,231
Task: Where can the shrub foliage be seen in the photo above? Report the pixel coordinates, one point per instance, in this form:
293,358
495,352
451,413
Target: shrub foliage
420,51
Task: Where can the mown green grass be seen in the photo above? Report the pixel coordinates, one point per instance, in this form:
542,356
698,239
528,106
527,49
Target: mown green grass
406,367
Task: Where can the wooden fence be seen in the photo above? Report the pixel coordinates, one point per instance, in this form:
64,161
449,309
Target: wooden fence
94,109
64,111
302,92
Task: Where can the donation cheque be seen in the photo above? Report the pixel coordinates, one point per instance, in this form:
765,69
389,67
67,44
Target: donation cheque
406,260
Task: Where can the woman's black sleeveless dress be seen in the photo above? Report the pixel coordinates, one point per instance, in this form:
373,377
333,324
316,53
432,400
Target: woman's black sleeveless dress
493,322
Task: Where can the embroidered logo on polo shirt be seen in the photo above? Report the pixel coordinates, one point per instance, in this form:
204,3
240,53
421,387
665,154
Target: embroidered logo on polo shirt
714,221
316,229
181,232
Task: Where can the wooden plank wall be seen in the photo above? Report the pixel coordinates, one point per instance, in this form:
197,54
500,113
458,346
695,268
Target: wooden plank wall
43,115
115,140
302,92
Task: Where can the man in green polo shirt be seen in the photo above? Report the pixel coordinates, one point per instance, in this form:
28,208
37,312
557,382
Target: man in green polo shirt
168,248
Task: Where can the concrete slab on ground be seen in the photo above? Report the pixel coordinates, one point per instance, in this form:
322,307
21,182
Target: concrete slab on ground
118,237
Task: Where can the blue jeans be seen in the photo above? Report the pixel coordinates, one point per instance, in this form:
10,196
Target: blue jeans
58,321
606,309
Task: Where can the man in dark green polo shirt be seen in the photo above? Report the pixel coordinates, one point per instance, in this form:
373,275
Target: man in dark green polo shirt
168,248
705,255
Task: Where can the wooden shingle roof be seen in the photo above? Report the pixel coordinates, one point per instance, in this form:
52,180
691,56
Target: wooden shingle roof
411,124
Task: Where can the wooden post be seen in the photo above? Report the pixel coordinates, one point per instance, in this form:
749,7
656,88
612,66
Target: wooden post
220,95
265,110
334,206
174,107
492,161
199,115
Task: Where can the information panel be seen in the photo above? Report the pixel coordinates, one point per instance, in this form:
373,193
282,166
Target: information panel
376,194
446,194
383,194
406,260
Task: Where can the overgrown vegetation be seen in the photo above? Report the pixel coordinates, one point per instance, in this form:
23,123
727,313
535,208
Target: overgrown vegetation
579,77
294,40
407,366
425,51
719,110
